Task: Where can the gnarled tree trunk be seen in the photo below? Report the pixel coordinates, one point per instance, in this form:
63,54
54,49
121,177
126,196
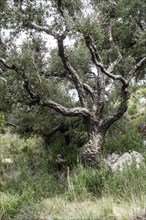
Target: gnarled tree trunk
90,152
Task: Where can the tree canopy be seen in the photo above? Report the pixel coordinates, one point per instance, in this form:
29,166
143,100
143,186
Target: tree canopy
99,49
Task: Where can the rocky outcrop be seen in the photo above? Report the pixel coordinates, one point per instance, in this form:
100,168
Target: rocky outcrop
117,162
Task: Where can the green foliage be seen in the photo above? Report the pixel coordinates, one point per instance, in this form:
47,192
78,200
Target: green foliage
134,103
71,7
65,147
26,213
138,120
25,179
2,118
124,184
62,156
39,64
130,140
30,179
132,110
9,205
87,182
29,176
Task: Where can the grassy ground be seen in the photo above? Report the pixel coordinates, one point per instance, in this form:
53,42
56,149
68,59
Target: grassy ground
31,188
105,208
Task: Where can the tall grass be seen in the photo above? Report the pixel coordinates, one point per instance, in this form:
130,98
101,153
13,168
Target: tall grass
26,180
31,189
88,182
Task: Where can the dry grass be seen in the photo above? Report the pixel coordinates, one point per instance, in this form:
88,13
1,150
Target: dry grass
98,209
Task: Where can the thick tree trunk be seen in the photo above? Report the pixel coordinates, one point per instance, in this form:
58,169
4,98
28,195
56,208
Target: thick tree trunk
90,152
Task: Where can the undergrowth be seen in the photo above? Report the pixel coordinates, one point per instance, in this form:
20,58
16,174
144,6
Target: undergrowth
29,177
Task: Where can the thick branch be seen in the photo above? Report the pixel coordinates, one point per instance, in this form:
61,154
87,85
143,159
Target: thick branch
115,63
74,76
51,104
35,98
66,111
88,39
108,121
100,94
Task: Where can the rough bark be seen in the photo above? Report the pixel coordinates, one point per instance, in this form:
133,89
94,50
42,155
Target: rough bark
90,152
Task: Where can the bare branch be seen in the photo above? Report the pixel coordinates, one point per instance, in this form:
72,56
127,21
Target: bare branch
135,67
100,65
112,43
11,124
47,30
111,40
74,76
115,63
52,131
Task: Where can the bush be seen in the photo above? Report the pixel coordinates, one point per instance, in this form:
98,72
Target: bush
26,181
130,140
138,120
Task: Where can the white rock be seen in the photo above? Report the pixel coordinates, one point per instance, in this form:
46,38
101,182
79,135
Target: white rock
116,162
142,101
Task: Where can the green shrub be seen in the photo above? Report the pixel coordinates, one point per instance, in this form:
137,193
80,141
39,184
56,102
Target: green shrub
27,176
128,141
9,205
132,110
138,120
62,156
